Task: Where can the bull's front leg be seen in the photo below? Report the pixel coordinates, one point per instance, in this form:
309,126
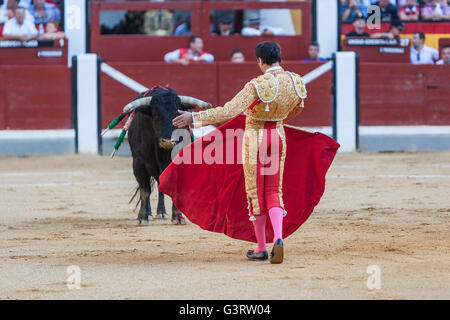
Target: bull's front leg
177,216
161,210
145,212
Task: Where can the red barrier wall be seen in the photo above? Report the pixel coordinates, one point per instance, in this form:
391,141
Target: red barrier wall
215,83
404,94
39,97
35,97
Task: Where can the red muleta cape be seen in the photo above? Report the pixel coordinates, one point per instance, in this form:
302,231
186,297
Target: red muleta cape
213,195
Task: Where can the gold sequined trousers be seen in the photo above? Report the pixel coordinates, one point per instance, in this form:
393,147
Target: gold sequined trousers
263,155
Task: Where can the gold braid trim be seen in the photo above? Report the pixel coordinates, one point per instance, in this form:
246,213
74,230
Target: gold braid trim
299,85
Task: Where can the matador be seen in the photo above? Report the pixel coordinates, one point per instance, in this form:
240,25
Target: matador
267,102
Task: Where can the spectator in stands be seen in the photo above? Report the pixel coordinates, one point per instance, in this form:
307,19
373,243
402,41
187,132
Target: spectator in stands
313,53
28,3
132,23
51,31
237,56
18,28
6,11
56,3
194,53
350,9
410,11
225,26
420,53
401,3
43,12
183,27
436,10
254,28
393,2
359,24
395,29
445,55
388,11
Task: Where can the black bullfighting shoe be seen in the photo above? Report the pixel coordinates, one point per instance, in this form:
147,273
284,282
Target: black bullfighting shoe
259,256
276,256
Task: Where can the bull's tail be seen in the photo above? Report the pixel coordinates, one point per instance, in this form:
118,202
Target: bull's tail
132,198
152,183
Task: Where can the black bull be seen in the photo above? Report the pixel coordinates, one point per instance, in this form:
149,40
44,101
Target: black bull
150,139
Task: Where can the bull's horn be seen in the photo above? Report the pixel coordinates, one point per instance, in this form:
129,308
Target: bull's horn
137,103
195,102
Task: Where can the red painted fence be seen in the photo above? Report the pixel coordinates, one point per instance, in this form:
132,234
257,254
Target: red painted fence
403,94
35,97
39,96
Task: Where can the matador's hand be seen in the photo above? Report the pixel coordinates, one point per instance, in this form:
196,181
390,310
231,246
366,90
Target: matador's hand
183,120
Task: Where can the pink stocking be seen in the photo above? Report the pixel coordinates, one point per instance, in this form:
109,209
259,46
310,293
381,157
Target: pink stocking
260,232
276,217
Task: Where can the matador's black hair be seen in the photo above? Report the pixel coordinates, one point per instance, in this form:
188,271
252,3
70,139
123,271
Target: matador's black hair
269,52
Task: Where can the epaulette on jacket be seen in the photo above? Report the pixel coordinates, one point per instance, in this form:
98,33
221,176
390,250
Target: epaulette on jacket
266,86
299,85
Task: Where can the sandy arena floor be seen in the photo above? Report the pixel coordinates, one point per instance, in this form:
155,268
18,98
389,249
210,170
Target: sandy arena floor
391,210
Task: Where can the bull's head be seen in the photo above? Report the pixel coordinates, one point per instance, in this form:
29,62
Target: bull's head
185,100
163,110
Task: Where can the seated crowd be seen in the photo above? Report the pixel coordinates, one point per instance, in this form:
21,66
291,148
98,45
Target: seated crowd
392,10
39,19
420,53
195,53
30,19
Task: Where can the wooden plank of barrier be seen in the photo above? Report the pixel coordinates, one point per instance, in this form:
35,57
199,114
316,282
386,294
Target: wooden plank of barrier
437,95
35,97
404,94
392,94
3,100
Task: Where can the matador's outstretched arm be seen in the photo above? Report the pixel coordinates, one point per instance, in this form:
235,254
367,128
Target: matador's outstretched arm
231,109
